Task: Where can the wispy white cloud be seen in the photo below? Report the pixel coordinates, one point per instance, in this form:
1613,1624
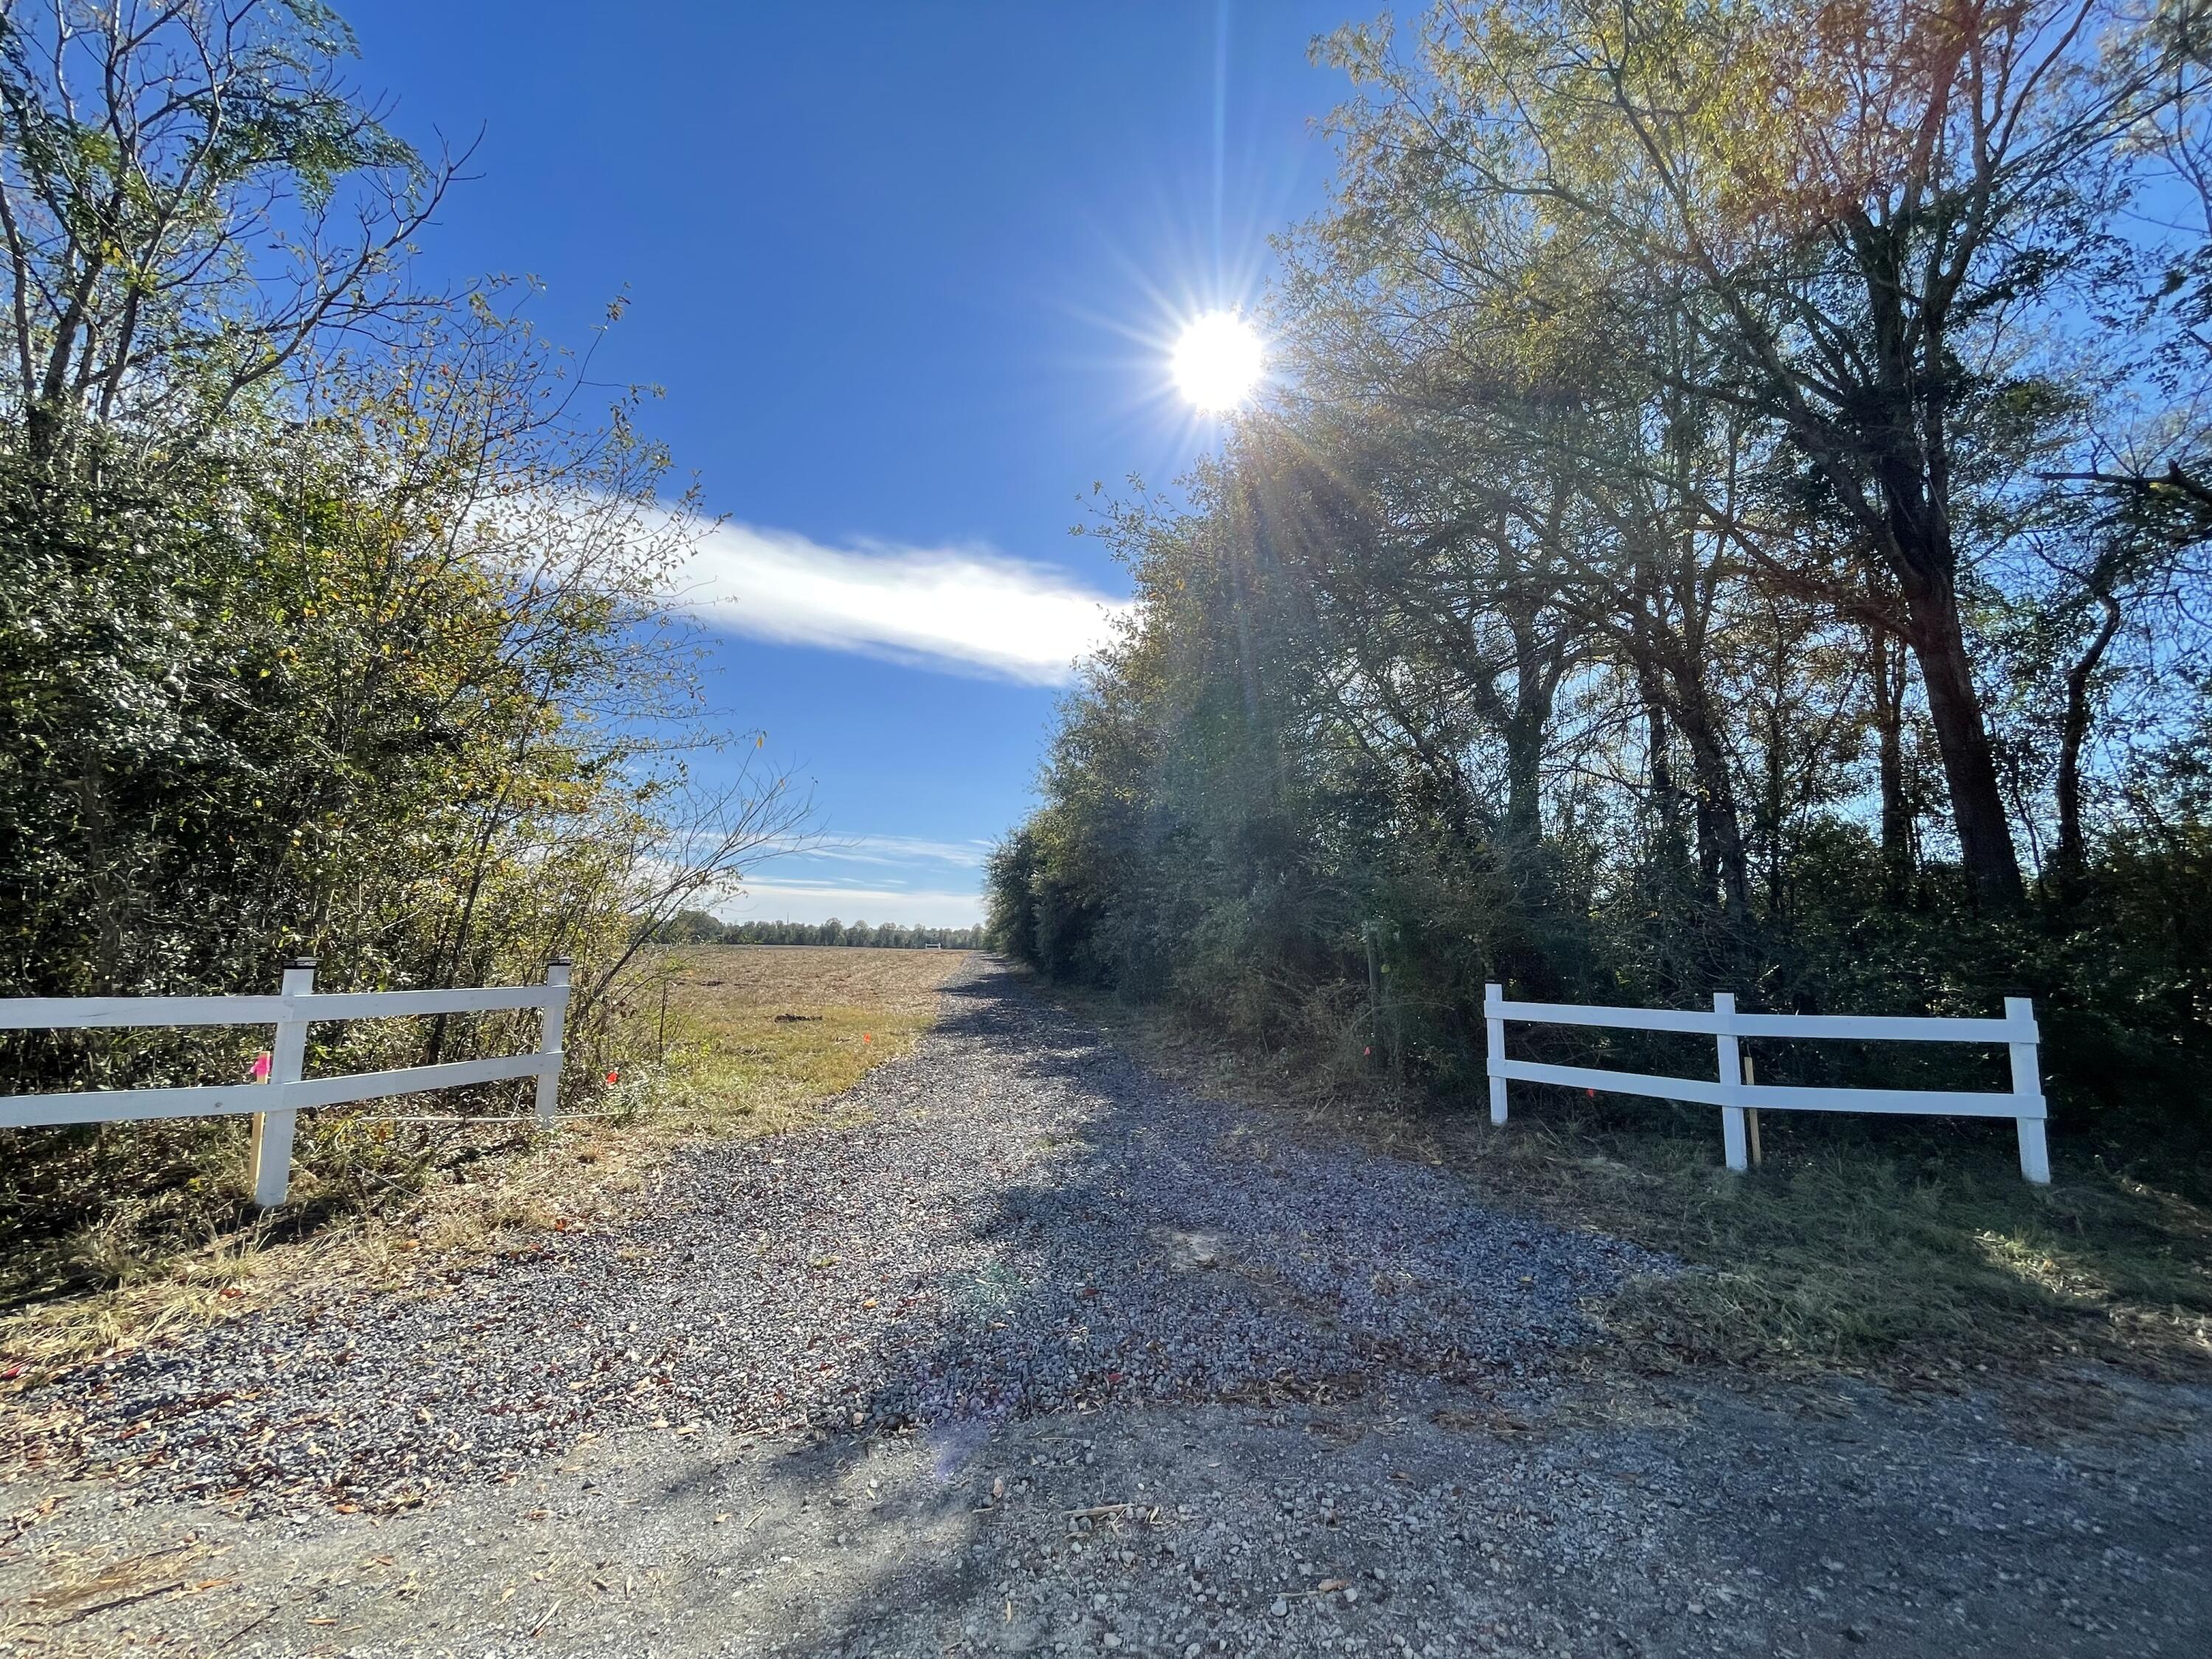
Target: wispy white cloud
899,851
965,609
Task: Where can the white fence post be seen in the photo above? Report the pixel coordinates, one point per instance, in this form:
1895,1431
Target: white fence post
272,1130
1493,998
2027,1090
549,1045
1732,1136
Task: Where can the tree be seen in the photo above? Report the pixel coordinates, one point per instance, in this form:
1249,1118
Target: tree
191,196
688,927
330,620
1917,178
1666,386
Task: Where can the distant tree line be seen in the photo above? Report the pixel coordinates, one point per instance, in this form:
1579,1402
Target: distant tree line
1733,512
693,926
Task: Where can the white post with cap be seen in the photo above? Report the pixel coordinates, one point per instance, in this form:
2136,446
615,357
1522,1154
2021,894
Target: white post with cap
2027,1090
1493,1000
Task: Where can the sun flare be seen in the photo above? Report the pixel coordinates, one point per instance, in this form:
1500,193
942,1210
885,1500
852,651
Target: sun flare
1218,361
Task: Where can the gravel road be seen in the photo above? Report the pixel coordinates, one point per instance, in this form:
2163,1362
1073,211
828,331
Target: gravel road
1024,1350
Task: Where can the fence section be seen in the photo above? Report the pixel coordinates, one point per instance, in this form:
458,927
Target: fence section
1731,1091
276,1105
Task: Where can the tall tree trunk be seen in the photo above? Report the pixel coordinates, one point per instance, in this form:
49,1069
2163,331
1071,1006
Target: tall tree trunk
1962,736
1666,793
1720,830
1524,753
1910,455
1534,680
1887,669
2072,855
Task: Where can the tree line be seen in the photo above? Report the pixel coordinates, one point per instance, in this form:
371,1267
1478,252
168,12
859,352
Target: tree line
693,926
1731,511
331,607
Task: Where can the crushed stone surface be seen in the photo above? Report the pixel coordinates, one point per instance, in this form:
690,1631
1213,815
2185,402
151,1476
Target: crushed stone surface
1131,1379
1011,1219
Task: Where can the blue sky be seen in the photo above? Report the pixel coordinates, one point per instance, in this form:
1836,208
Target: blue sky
908,275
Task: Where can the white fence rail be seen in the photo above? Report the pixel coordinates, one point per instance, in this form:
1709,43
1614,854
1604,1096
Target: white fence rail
1735,1093
276,1105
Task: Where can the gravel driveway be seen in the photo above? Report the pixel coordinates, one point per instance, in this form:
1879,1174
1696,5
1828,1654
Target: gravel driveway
1026,1350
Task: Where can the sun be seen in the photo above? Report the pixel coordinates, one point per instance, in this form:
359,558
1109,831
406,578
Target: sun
1218,361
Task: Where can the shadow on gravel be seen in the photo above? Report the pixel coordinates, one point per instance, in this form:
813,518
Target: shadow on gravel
1137,1244
1110,1241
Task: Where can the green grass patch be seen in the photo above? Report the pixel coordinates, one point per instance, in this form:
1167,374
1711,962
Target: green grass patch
1858,1248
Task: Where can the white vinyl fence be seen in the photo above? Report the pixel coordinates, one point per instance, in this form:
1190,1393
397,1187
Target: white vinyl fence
1733,1091
276,1103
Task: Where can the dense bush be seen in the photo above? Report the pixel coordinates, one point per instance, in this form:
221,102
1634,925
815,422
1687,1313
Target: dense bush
331,623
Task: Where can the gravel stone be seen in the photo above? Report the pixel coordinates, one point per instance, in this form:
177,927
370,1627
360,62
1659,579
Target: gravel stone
1011,1220
1132,1375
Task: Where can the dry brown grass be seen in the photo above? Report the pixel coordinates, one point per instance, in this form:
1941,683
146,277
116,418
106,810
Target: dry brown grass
807,978
756,1038
756,1033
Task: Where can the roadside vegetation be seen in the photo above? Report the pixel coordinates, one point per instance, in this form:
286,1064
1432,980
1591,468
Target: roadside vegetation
1731,514
334,621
